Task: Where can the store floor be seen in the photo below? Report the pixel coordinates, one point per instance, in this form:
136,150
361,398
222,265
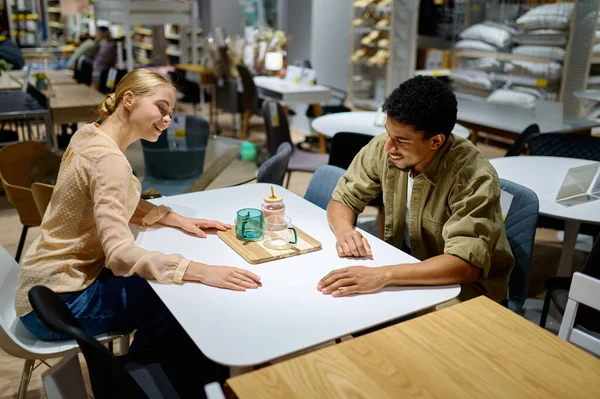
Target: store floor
545,260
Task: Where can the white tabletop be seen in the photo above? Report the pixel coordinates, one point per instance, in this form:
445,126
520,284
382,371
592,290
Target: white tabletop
592,95
544,175
514,119
287,314
359,122
291,93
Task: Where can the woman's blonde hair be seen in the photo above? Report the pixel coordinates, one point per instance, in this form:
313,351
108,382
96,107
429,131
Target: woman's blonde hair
141,82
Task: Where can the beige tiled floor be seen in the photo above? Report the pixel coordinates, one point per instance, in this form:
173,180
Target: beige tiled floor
546,252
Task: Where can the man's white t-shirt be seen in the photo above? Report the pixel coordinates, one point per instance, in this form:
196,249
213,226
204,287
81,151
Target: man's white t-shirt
408,195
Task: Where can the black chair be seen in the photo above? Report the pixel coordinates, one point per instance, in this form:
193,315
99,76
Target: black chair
557,291
251,104
110,376
83,70
522,141
344,147
189,89
120,72
278,132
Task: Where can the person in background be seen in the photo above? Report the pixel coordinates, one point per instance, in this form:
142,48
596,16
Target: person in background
86,251
106,57
11,53
88,48
441,197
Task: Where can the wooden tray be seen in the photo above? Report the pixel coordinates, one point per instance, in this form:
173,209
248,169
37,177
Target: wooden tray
255,252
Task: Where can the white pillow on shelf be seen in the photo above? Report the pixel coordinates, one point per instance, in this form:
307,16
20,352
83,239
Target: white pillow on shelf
487,33
596,49
543,37
597,38
547,16
511,97
474,45
550,52
550,70
472,78
483,64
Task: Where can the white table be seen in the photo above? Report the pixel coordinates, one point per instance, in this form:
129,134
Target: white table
360,122
544,175
287,314
592,95
510,121
291,93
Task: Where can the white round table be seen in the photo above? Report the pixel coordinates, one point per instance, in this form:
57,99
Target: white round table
544,176
360,122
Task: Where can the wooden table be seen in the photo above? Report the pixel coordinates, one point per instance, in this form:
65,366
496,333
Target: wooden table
207,75
60,77
8,83
74,103
476,349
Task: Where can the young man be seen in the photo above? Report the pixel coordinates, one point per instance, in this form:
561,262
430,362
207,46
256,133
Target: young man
441,197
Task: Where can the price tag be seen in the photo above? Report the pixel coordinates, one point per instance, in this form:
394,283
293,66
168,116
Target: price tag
111,78
274,114
176,134
541,83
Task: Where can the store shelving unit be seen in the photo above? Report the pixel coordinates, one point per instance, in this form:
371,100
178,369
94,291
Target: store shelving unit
379,65
129,13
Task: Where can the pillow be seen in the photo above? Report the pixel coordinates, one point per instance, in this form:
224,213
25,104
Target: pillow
593,80
550,52
547,16
510,97
544,37
530,90
470,92
596,49
487,33
551,70
474,45
482,64
475,79
597,39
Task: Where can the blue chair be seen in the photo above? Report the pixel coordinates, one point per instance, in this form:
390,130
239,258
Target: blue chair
171,170
520,225
322,184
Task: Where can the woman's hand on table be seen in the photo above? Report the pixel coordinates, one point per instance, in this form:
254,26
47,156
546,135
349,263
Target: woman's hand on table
227,277
193,226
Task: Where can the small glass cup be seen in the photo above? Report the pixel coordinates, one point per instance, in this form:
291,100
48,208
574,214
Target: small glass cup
279,232
249,224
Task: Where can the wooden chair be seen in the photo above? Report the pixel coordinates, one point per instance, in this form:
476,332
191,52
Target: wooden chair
41,195
15,160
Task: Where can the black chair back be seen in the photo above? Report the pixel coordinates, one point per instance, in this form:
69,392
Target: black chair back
250,95
587,316
345,146
108,377
276,124
274,169
190,90
85,68
568,145
519,145
104,79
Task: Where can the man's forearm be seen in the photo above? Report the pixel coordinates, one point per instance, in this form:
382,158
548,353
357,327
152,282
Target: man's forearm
440,270
340,217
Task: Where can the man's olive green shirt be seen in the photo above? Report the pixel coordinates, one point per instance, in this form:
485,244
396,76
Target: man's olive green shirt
454,208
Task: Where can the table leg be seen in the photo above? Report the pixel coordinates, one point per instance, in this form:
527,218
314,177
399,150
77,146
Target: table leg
318,111
235,371
566,255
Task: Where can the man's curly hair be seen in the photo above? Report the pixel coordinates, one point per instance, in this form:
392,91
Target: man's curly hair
425,103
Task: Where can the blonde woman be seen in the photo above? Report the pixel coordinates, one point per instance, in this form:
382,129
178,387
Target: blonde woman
86,251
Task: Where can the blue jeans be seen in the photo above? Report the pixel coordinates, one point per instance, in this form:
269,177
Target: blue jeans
125,304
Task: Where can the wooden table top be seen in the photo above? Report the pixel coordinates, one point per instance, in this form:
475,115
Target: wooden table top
8,83
474,349
60,77
207,74
75,96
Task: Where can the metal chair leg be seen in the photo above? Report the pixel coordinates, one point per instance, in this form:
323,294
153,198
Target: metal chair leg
21,243
545,309
289,177
25,378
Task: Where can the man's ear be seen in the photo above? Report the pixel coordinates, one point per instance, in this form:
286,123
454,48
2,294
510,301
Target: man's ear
437,141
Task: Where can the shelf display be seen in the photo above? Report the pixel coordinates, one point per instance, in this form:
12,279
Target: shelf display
382,49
